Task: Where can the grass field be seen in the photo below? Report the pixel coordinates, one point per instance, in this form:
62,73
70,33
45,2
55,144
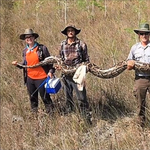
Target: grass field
107,28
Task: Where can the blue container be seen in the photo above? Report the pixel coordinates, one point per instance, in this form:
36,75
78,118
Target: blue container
53,85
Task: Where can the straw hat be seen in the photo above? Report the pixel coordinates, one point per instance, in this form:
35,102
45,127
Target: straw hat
142,28
28,32
77,31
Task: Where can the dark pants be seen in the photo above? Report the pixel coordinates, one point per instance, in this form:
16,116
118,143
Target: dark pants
32,85
142,86
69,86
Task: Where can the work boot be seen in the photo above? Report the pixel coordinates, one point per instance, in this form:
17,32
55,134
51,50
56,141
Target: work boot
49,108
88,119
142,121
86,115
68,109
34,113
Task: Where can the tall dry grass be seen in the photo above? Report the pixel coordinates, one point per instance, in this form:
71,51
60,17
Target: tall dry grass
107,28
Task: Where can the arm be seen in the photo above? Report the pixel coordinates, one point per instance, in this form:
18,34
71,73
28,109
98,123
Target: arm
45,55
130,59
60,55
23,62
85,56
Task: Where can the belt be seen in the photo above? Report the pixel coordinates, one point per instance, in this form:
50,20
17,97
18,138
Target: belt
142,77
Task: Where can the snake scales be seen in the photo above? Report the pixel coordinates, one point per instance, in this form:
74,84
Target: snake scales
92,68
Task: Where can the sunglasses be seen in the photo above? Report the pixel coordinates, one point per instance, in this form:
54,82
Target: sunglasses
146,33
27,37
70,30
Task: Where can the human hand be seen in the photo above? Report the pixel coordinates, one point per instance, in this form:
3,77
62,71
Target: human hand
51,75
14,63
58,67
130,64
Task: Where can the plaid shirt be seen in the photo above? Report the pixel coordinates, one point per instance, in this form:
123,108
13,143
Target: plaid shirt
74,53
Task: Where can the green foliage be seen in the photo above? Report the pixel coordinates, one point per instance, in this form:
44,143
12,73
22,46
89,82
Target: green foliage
99,4
82,4
39,4
17,5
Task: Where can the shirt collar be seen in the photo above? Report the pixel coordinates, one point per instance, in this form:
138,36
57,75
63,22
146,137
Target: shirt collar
76,40
31,49
140,45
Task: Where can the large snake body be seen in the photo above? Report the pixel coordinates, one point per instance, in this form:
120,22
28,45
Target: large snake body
92,68
108,73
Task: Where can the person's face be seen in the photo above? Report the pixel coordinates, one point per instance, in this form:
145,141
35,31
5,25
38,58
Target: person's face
29,39
144,36
70,32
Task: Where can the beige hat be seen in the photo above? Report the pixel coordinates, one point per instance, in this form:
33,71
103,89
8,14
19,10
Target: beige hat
77,31
28,32
142,28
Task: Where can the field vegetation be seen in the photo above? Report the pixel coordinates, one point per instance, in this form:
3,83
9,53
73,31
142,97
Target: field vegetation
107,28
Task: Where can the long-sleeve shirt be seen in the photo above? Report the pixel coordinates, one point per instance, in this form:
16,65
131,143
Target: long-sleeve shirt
40,54
74,53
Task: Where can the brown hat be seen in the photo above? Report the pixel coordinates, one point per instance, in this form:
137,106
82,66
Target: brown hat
142,28
28,32
77,31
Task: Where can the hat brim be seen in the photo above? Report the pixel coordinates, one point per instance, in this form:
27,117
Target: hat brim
137,31
77,31
22,36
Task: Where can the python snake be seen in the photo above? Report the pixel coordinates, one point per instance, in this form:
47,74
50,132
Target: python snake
92,68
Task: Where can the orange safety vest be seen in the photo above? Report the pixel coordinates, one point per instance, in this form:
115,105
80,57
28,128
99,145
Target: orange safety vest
32,59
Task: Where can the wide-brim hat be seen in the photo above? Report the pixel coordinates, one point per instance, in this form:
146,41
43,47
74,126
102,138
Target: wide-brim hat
142,28
77,31
28,32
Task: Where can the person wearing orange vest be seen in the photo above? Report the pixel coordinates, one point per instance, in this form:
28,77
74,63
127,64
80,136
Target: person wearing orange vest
33,53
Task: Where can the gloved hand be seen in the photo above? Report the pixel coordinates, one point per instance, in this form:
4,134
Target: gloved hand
130,64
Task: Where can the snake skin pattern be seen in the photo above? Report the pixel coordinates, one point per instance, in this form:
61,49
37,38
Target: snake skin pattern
92,68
